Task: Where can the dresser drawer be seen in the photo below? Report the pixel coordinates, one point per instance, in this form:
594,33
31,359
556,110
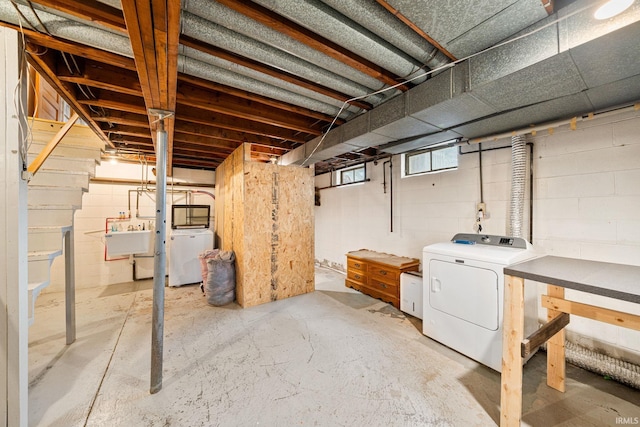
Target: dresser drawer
382,296
384,274
383,286
354,264
356,276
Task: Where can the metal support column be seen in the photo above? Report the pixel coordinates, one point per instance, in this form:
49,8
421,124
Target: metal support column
160,258
70,285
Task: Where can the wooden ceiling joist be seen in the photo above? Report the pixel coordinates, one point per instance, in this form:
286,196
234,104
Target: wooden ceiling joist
128,141
270,71
102,76
196,81
395,12
41,42
90,10
193,96
122,118
195,115
298,32
45,65
115,101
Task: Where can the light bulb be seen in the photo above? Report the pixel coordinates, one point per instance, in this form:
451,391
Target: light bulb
612,8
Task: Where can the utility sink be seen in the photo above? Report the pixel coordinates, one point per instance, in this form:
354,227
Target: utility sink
127,242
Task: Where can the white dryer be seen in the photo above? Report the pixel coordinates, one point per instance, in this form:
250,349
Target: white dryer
464,293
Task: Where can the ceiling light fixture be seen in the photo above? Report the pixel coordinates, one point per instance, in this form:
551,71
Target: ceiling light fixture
612,8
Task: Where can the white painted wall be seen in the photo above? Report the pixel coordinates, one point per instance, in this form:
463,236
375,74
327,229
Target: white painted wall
107,200
13,236
586,205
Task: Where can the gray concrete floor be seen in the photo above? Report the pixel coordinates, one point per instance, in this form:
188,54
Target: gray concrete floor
333,357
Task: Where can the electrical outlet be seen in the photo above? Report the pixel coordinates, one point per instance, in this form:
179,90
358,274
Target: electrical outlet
482,207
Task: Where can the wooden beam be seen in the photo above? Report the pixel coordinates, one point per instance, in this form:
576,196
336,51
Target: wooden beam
229,135
549,6
556,364
204,146
613,317
128,131
115,101
89,10
270,71
512,336
122,118
41,42
51,145
195,115
416,29
542,335
44,64
154,32
102,76
196,81
194,97
303,35
197,129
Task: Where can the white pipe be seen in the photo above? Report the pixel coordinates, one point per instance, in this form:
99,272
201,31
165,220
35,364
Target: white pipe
547,126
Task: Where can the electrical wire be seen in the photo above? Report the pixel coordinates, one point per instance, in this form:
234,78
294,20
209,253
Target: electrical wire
441,68
20,14
64,58
21,110
46,30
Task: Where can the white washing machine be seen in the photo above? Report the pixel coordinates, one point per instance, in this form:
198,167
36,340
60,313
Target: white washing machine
184,247
464,293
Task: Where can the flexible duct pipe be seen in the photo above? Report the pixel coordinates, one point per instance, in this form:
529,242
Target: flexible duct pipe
518,184
618,370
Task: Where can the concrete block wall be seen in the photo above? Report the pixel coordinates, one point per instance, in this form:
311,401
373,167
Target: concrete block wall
107,200
586,205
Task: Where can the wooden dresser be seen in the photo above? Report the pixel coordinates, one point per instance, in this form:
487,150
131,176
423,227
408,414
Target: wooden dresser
378,274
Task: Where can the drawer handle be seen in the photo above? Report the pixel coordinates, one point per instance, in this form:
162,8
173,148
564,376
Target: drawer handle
383,273
383,286
357,276
356,265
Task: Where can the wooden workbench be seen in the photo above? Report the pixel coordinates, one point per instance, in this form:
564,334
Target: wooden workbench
617,281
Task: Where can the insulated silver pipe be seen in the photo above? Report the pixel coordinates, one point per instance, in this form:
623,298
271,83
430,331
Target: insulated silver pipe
159,260
518,184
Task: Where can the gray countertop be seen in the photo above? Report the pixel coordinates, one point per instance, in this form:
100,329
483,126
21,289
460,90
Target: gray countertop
617,281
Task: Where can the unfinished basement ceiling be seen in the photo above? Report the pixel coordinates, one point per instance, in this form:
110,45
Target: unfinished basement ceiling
277,73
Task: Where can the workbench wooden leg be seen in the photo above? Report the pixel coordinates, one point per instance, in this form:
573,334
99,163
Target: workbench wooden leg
555,347
513,334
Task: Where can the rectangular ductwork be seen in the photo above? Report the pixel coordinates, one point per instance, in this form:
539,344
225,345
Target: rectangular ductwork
570,67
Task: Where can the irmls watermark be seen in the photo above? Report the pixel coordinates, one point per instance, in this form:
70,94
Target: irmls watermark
629,421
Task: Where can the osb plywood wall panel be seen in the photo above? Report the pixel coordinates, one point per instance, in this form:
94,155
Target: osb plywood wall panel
237,224
264,213
279,232
229,211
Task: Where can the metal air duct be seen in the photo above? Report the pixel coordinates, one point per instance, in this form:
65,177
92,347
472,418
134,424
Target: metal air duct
518,184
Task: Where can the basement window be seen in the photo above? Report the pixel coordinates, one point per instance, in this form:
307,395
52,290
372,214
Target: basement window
352,175
430,160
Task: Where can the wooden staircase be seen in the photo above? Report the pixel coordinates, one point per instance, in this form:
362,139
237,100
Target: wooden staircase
55,193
